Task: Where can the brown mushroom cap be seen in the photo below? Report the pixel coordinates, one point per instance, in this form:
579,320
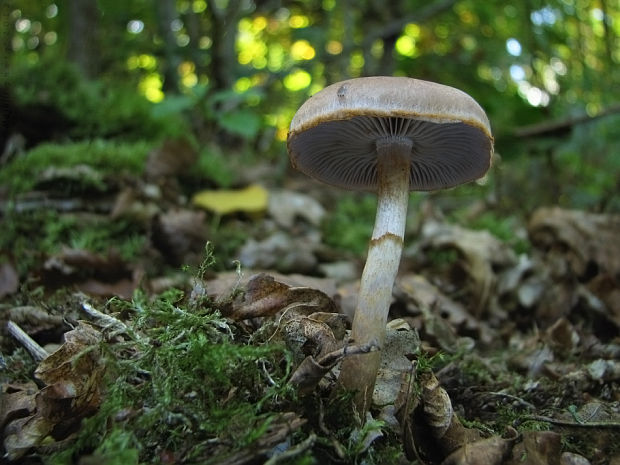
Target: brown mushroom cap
333,135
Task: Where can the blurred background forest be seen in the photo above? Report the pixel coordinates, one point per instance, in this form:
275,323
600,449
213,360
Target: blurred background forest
229,75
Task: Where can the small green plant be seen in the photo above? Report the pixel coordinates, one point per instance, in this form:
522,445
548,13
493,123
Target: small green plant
504,228
350,224
56,230
217,167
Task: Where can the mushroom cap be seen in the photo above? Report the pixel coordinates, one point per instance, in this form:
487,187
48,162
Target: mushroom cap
333,135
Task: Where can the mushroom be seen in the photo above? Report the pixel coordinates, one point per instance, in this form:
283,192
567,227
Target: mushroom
388,135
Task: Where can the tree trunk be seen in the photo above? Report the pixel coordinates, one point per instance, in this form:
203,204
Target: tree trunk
166,14
83,48
224,35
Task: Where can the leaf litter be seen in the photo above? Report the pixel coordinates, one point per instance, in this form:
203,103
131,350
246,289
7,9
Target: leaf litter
493,356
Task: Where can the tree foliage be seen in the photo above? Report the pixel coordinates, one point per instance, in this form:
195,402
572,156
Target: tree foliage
238,69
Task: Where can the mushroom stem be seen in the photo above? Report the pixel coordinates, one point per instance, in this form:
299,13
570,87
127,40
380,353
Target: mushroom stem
359,372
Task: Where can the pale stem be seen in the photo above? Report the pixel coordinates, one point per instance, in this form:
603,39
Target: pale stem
359,372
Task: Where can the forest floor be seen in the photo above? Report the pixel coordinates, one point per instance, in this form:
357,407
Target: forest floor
130,334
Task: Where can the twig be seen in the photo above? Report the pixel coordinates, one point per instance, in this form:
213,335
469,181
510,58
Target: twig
515,398
37,352
293,451
107,322
589,424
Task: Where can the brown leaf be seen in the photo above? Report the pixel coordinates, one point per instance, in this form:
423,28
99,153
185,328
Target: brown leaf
537,448
586,242
72,265
74,358
72,376
436,405
264,296
36,319
16,401
480,253
437,430
563,336
490,451
25,433
442,316
310,371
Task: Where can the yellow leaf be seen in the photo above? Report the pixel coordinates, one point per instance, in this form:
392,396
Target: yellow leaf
252,199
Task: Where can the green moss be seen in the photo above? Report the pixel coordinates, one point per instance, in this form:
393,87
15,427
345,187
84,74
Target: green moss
33,234
17,367
186,377
106,157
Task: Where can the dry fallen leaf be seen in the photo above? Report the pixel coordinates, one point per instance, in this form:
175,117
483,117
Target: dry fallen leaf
436,431
443,317
537,448
490,451
480,254
584,240
72,376
16,401
264,296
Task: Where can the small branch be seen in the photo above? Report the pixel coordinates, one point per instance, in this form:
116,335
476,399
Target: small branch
589,424
293,451
515,398
106,322
37,352
562,126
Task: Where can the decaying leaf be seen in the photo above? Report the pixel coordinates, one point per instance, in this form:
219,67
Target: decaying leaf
435,430
36,319
265,296
436,405
94,273
395,370
16,401
569,458
580,247
282,252
480,252
537,448
21,435
584,240
251,199
311,371
72,376
443,318
490,451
